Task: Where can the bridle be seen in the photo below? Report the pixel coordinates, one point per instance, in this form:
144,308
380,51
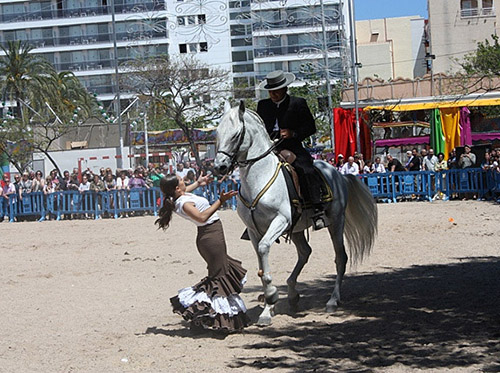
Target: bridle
245,162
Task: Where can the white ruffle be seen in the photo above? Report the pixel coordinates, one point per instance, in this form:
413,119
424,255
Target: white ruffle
231,305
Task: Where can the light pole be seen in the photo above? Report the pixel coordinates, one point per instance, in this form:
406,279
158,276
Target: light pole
146,142
327,77
117,85
354,64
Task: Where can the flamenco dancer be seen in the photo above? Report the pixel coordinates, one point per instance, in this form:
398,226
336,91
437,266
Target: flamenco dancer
213,303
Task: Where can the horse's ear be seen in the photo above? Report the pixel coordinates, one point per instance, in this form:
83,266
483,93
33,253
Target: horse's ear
241,110
227,106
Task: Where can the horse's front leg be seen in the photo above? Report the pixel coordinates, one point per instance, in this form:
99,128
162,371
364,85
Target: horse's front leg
276,228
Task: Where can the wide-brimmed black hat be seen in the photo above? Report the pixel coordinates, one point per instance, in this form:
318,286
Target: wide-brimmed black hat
276,80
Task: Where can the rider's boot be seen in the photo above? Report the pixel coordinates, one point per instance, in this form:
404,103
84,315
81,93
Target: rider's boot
319,219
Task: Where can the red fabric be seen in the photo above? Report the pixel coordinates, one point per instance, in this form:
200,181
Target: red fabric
345,132
365,137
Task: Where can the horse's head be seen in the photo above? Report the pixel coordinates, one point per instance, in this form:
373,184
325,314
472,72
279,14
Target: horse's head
230,137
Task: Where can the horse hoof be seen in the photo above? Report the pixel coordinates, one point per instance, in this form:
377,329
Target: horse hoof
264,321
293,301
331,308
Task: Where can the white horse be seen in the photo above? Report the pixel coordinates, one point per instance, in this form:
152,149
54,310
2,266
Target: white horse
264,205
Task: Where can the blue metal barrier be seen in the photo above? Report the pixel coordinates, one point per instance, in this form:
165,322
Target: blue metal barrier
386,186
425,184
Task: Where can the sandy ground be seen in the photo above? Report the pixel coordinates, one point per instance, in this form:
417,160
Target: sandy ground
93,296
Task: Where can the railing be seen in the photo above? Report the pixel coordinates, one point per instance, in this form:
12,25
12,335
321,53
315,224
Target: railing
113,203
46,14
477,12
391,186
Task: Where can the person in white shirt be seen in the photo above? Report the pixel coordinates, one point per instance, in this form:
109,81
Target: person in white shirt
214,302
378,166
350,168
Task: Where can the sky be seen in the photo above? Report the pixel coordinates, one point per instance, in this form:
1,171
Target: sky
374,9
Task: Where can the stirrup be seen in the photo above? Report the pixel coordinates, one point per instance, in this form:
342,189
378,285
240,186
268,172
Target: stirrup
318,222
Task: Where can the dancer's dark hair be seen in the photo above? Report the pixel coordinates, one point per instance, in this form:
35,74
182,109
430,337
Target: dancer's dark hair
167,187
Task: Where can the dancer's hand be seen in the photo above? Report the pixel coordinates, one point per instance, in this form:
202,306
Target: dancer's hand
205,179
226,196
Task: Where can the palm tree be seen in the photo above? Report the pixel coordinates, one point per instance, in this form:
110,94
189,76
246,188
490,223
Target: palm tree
22,72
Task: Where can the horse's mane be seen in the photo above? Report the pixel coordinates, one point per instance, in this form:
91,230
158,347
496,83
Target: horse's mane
261,126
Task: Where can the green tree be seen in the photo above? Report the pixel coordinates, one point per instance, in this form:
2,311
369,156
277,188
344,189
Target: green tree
184,91
48,104
22,73
480,70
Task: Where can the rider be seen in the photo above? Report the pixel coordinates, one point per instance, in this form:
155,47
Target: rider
289,117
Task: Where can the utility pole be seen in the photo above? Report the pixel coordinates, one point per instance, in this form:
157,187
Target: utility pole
354,66
146,141
327,77
117,87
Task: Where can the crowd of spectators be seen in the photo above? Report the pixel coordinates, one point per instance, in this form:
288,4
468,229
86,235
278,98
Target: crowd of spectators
106,179
425,160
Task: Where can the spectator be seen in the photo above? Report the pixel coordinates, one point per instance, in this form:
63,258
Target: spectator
49,187
368,169
155,176
340,162
97,185
122,181
39,182
180,171
74,184
137,181
64,182
358,158
189,178
85,185
413,163
488,163
8,188
17,183
378,166
26,185
467,159
452,160
102,173
350,168
429,160
109,182
441,164
394,164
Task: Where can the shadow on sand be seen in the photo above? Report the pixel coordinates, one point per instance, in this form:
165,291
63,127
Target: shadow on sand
422,317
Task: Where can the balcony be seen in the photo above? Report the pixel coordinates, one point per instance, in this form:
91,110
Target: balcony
42,15
477,12
93,39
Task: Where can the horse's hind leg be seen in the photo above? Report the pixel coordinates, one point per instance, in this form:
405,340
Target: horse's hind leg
337,235
303,252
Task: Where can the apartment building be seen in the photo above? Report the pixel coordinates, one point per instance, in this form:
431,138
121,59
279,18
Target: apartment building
288,36
247,38
456,26
391,48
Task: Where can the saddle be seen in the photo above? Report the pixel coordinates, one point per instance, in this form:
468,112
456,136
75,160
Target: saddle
298,204
293,185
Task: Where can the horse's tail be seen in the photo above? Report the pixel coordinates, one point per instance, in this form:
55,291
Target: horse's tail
361,218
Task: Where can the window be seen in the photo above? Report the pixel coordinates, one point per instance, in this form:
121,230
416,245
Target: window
181,21
191,20
206,99
182,48
469,8
203,47
487,9
193,47
202,19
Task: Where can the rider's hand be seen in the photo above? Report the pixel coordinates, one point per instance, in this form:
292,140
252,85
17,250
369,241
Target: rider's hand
286,133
